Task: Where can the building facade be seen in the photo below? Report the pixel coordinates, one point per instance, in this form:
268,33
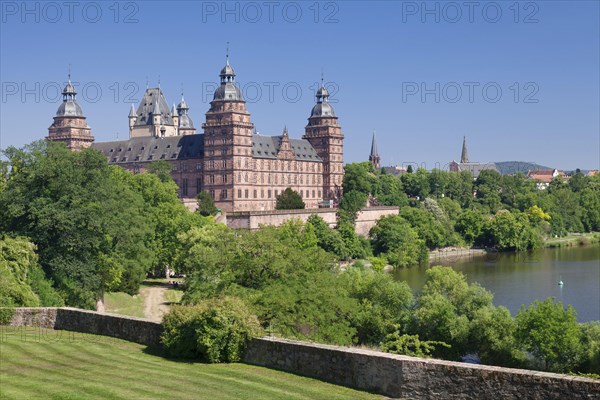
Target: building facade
240,169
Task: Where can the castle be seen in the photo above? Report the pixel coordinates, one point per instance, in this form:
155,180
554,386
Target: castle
240,169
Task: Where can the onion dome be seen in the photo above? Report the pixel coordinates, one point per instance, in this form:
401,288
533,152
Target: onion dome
69,106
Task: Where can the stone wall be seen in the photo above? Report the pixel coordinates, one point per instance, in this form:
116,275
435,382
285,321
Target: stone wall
136,330
365,219
388,374
415,378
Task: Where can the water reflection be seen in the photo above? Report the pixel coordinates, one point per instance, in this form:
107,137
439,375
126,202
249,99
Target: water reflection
520,278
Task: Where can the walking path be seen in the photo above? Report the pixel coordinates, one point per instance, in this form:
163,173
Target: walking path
154,302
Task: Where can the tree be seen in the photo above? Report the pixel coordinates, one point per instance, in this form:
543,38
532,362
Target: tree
512,231
206,204
393,237
162,169
550,332
328,238
470,225
352,202
289,200
216,330
360,177
390,191
416,184
431,231
488,187
89,228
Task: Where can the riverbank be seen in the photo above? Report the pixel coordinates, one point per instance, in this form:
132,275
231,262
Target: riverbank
578,239
450,254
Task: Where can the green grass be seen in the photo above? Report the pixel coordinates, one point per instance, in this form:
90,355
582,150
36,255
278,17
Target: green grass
173,296
573,240
45,364
125,304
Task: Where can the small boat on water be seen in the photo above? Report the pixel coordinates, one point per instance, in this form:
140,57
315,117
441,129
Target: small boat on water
560,281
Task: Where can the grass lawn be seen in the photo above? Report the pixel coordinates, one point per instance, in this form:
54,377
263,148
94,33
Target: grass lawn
125,304
44,364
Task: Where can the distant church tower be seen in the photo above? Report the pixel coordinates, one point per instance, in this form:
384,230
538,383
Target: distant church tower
464,157
70,125
228,144
374,156
325,135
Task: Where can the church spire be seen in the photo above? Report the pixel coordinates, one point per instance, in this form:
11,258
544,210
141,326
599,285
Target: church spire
464,157
374,156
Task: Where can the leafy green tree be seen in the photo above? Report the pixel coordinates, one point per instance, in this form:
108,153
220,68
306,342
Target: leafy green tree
431,231
360,177
589,201
384,305
352,202
460,188
206,204
591,345
162,169
416,184
470,225
577,181
215,330
89,228
462,315
550,332
488,187
512,231
438,182
289,200
308,306
565,205
328,238
393,237
391,192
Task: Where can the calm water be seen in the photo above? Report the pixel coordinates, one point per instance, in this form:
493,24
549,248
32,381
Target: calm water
521,278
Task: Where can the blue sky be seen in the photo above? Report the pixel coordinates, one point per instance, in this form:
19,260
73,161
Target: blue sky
520,80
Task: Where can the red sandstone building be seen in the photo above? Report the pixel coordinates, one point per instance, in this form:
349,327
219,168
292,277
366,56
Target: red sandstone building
242,170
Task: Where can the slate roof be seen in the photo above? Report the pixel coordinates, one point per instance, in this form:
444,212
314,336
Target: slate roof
153,97
268,146
476,168
147,149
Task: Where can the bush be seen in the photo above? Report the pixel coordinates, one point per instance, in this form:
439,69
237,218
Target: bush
216,330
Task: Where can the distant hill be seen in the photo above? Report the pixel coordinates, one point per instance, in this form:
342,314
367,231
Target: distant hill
513,167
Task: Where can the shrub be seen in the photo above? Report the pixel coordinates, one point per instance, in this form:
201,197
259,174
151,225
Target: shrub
216,330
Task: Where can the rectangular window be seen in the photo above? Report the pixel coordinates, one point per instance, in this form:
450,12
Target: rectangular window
246,193
255,194
198,166
319,194
313,194
198,185
239,193
224,194
212,194
269,193
262,193
184,186
224,177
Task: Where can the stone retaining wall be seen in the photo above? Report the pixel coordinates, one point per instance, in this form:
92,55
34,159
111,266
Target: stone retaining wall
415,378
388,374
136,330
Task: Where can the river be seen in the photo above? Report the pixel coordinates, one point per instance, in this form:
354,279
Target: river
520,278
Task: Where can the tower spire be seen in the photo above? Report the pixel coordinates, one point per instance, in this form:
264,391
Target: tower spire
374,156
227,54
464,157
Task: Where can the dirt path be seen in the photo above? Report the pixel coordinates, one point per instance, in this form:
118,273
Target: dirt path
154,302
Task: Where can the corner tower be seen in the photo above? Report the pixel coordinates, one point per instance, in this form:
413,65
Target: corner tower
325,135
70,125
228,144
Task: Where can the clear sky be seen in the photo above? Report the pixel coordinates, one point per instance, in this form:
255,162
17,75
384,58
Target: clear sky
520,80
